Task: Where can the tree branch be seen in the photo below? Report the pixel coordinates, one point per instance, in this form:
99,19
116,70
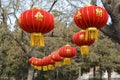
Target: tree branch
94,2
52,5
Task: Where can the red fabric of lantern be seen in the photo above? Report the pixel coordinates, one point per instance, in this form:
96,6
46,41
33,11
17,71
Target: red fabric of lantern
79,39
91,18
67,52
57,58
51,62
37,22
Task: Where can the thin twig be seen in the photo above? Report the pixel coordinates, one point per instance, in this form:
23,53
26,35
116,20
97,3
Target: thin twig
52,5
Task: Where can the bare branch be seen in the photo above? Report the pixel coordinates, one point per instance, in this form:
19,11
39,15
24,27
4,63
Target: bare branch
72,4
52,5
94,2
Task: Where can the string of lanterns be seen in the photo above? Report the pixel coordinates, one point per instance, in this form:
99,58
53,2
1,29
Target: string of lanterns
37,22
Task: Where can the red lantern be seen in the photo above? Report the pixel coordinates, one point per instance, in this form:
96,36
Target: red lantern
51,62
45,64
67,52
39,64
34,62
91,18
31,59
79,39
57,58
37,22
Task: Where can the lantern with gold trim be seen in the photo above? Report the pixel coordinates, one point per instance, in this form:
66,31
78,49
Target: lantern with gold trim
57,58
34,62
67,52
37,22
45,64
91,18
51,62
79,39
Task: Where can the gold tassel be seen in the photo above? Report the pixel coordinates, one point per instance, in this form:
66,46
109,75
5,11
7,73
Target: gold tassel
58,64
39,68
67,61
37,39
91,33
45,68
84,50
50,67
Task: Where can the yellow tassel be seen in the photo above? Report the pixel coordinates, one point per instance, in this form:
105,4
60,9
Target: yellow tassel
45,68
37,39
91,33
39,68
84,50
50,67
67,61
58,64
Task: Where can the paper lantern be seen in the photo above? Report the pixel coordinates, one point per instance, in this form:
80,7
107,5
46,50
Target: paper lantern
37,22
79,39
91,18
45,64
67,52
51,62
57,58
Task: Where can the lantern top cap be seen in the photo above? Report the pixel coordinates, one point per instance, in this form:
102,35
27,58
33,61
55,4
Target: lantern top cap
87,5
67,45
82,30
33,8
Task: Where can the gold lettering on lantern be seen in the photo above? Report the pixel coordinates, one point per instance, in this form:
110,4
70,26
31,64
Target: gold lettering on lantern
78,15
81,37
99,12
39,16
68,51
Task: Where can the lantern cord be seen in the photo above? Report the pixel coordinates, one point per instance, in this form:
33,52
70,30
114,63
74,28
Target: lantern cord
91,33
84,50
37,39
67,61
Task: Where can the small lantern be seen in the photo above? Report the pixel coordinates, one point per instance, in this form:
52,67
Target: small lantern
57,58
67,52
51,62
45,64
79,39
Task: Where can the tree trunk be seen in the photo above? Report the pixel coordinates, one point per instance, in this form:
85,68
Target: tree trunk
109,74
30,73
94,74
100,73
113,30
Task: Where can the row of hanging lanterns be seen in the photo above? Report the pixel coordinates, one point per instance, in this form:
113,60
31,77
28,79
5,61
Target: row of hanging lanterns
37,22
63,54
